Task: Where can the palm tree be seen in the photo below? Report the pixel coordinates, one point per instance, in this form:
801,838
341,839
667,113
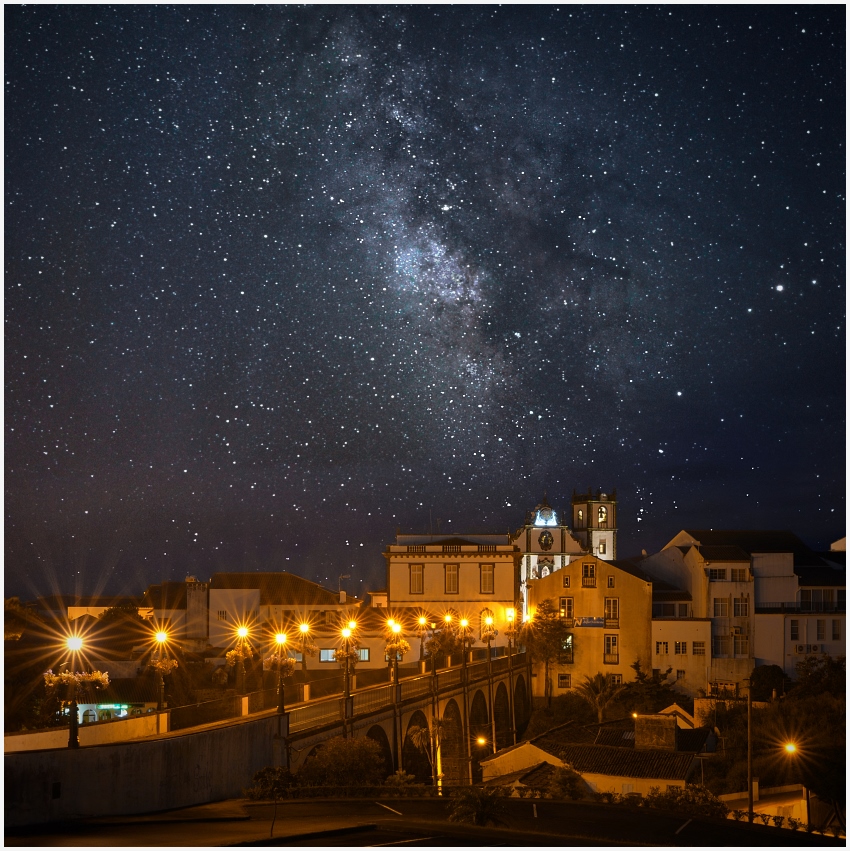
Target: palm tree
599,691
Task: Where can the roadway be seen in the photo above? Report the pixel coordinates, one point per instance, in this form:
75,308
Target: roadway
405,821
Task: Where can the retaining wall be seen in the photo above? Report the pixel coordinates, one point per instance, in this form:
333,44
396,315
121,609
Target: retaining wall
104,732
137,777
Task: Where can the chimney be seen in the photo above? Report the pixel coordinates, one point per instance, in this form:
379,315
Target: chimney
655,733
342,598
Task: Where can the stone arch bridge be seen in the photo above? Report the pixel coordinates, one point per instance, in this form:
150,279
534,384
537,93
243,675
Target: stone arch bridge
467,713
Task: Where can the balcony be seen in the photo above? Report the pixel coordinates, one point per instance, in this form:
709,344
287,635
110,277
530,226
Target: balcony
838,608
611,659
565,657
588,582
612,623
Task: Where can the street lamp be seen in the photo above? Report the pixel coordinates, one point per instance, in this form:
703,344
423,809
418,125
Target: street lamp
161,638
395,630
280,640
304,629
242,633
792,750
510,614
423,626
74,643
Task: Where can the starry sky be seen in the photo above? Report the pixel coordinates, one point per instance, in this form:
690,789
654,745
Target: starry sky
282,280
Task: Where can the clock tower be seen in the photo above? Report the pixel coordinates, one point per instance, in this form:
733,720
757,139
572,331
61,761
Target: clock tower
595,522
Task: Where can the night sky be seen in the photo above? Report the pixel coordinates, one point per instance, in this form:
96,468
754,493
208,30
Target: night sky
281,280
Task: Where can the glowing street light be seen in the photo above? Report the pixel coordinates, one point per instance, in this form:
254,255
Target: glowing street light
161,638
791,748
423,627
74,643
280,640
304,629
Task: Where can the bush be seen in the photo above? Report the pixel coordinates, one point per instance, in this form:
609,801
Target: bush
344,762
567,783
691,801
794,823
765,817
476,805
777,821
271,783
738,814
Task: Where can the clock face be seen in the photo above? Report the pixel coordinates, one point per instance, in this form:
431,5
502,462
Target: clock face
546,540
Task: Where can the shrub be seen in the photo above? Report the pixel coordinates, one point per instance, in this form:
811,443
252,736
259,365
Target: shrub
271,782
794,823
567,783
401,779
738,814
692,801
765,817
344,762
777,821
476,805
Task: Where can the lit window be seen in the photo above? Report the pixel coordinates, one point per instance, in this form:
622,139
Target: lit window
417,578
603,515
588,575
680,648
603,546
451,578
363,654
612,608
610,581
487,578
566,607
580,518
566,580
698,648
721,607
327,655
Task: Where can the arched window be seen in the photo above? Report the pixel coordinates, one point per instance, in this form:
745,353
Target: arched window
603,515
580,518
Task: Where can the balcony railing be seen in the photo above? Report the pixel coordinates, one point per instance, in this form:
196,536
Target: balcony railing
611,659
804,607
588,582
612,623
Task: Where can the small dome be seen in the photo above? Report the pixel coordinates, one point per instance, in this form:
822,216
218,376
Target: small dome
544,514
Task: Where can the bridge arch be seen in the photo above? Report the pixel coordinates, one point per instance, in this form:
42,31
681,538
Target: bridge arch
452,751
479,726
414,760
377,734
502,715
522,709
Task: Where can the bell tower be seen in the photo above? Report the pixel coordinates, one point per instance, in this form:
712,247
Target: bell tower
595,522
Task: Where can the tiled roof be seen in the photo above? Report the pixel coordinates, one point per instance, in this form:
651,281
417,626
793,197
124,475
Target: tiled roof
758,541
627,566
537,777
723,552
279,589
624,762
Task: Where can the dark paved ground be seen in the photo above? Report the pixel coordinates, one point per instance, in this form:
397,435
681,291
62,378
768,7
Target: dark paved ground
407,821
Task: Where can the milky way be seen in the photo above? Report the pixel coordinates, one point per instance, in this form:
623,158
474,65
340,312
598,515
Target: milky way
282,280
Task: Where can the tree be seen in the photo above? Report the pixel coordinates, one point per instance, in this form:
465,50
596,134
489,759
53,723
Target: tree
598,691
765,679
695,801
344,762
429,741
546,636
477,805
567,783
819,674
648,693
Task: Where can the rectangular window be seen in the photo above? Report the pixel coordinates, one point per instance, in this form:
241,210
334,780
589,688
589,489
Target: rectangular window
222,615
603,546
680,648
740,574
721,607
628,788
615,679
717,573
565,657
742,645
821,630
610,581
661,648
588,575
566,608
680,674
742,607
795,630
684,610
565,681
451,578
566,580
836,630
612,608
327,655
698,648
363,654
487,578
721,645
612,650
417,578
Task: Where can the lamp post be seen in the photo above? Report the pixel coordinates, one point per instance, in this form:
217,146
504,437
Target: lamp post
346,678
242,633
464,626
161,638
792,750
423,626
511,616
488,636
395,629
74,643
280,640
750,814
447,620
304,629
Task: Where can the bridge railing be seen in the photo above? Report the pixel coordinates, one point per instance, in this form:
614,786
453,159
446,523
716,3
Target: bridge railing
315,714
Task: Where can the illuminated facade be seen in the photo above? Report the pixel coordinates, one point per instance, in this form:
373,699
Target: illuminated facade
608,608
474,576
